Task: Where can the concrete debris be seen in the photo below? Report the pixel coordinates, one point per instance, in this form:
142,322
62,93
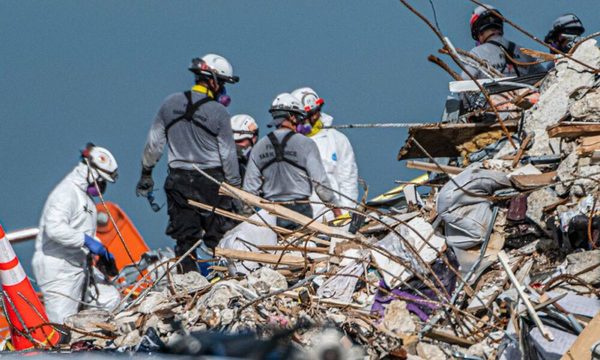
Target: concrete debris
527,217
580,261
397,318
189,282
553,102
587,108
429,351
266,280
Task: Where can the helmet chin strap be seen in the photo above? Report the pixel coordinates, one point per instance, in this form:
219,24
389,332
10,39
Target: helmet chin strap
112,219
94,183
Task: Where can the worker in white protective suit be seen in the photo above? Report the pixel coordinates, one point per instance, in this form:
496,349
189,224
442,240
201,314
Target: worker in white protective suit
67,235
335,150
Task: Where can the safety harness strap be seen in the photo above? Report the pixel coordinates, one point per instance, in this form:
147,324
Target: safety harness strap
280,151
188,115
510,51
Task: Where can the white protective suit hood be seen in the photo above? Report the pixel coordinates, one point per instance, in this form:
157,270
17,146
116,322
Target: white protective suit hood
326,119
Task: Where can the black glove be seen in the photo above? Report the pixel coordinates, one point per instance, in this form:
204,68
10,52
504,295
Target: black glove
241,208
146,184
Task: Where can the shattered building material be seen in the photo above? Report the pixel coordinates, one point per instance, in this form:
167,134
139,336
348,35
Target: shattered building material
443,140
525,220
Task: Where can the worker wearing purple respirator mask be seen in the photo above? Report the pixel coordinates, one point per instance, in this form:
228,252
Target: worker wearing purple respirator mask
223,98
67,236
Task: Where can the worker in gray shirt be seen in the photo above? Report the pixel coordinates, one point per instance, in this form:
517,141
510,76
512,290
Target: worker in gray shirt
284,166
196,128
487,29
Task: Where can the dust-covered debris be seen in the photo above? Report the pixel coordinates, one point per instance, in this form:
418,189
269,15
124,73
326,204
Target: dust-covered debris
418,280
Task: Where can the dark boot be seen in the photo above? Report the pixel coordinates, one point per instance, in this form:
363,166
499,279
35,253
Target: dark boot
188,264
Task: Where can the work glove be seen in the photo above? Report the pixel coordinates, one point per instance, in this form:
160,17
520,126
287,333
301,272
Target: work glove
241,208
145,185
97,248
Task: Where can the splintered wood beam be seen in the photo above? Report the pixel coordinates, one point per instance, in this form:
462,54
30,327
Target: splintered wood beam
260,223
573,129
442,140
420,165
282,211
285,259
527,182
581,348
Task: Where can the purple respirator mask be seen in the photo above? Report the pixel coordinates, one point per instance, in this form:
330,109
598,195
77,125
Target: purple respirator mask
304,128
92,190
223,98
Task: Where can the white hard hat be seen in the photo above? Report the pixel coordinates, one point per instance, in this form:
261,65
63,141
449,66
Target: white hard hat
284,105
213,65
244,127
288,103
101,162
309,98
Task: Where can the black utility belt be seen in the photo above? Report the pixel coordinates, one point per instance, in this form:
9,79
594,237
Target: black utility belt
210,171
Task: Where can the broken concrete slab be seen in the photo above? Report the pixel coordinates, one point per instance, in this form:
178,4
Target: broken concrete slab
189,282
430,352
580,261
397,319
554,97
266,280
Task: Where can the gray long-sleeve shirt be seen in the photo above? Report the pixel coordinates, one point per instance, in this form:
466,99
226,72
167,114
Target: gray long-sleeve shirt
188,143
494,55
282,181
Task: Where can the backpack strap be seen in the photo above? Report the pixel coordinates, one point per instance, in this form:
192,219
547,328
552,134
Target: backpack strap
280,151
190,109
511,53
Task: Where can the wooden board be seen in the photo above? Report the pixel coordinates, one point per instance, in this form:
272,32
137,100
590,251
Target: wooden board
452,170
441,140
527,182
284,212
260,223
581,348
286,259
588,145
573,129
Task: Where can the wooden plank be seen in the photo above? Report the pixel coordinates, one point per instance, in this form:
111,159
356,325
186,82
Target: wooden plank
420,165
441,140
260,223
588,145
581,348
302,249
286,259
284,212
449,338
573,129
526,182
503,258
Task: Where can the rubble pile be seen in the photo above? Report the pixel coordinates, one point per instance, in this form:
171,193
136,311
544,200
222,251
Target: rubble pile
501,259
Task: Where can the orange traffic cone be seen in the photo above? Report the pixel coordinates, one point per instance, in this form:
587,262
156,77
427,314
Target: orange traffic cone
26,313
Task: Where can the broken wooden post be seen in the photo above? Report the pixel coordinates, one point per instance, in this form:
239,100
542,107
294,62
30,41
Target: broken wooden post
503,258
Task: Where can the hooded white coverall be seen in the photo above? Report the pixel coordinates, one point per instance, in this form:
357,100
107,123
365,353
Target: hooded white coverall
340,165
60,257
